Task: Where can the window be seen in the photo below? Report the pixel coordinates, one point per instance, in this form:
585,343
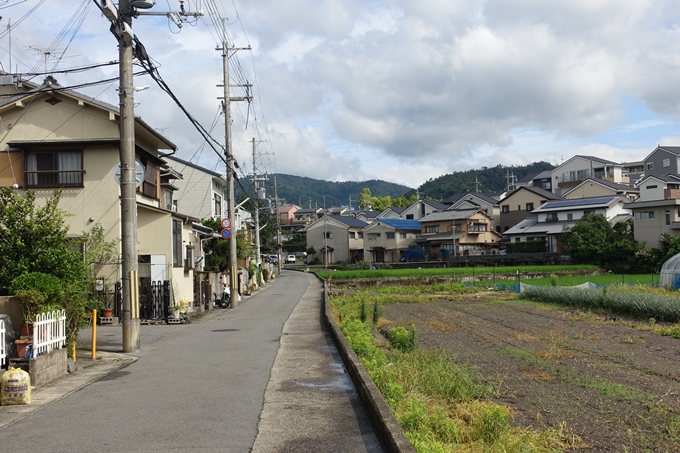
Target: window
389,235
352,235
517,239
570,216
650,166
432,229
329,235
666,163
530,206
582,174
644,215
189,261
409,216
361,235
551,217
651,187
668,217
218,206
546,186
588,211
149,186
54,169
402,236
177,243
505,208
373,236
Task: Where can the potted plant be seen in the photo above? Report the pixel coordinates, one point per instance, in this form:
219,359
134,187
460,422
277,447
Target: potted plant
30,301
174,311
22,344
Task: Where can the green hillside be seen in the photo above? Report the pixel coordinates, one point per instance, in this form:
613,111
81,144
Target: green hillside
490,180
304,191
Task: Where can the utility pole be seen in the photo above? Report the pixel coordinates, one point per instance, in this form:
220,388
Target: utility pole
278,225
128,197
233,263
257,208
121,19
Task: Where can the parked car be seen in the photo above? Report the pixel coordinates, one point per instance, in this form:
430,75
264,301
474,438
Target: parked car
291,259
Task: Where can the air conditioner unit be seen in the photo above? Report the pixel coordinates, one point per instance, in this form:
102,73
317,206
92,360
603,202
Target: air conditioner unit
6,80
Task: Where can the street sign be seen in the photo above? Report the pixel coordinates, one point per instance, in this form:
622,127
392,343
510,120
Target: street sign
139,173
226,233
226,223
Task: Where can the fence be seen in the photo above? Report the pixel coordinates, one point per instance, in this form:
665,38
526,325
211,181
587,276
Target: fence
49,331
3,353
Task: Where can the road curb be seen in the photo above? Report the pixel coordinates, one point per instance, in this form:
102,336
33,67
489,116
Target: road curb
387,428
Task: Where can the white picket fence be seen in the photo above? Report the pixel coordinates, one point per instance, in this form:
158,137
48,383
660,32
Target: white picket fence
3,353
49,331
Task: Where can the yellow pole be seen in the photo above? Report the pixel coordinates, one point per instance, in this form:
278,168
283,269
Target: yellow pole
73,353
94,334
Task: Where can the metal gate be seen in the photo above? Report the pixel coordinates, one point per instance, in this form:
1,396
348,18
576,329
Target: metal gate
154,299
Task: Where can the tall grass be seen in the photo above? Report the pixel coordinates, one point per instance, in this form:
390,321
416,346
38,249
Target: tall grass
439,404
621,300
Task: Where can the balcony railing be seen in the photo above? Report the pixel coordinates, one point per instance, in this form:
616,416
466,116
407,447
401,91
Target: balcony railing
53,178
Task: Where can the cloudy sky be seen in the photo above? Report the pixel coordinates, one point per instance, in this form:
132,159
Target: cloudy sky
399,90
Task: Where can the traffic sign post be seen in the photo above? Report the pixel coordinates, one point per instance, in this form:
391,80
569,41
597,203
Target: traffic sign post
226,232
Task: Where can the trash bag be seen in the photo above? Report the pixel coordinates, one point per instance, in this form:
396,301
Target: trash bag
15,387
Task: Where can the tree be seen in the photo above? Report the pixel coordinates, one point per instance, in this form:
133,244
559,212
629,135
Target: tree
366,200
589,239
34,239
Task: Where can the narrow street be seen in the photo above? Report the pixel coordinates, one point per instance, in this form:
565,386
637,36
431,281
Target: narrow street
201,386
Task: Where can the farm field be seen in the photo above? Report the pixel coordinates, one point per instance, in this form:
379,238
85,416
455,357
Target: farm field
613,382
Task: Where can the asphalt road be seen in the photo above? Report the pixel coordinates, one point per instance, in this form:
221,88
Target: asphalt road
199,387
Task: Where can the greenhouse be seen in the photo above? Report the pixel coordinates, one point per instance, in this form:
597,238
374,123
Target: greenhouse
669,277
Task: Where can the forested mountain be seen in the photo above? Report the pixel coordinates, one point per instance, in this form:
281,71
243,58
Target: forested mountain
490,180
304,191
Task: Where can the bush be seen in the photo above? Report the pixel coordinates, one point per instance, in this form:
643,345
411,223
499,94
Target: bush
35,290
402,339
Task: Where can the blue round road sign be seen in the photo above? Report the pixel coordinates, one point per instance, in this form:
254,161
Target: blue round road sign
226,233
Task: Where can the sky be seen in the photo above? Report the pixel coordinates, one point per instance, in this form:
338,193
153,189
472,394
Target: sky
398,90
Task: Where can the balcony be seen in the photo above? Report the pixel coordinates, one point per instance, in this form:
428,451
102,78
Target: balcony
53,178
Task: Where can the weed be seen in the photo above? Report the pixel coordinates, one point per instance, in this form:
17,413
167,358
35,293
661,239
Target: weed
377,312
402,339
99,357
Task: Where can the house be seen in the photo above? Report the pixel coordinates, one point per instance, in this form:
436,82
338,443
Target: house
306,216
391,212
367,216
664,160
480,201
386,239
336,239
421,208
200,192
519,204
341,210
579,168
287,213
657,211
601,187
550,219
58,138
472,234
542,180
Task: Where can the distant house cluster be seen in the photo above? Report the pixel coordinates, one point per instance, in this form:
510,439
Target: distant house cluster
538,208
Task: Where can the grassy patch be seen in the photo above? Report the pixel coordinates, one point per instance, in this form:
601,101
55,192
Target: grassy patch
441,405
459,271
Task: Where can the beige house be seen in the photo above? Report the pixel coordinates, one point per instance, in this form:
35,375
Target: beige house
473,234
579,168
386,239
602,188
657,211
519,204
336,239
55,138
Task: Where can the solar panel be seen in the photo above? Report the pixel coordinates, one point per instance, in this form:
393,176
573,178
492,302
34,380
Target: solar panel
576,202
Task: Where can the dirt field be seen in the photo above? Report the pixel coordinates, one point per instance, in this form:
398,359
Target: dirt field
614,386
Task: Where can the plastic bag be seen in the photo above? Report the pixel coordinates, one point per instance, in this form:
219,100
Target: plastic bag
15,388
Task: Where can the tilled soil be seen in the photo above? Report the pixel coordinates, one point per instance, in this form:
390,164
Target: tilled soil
616,387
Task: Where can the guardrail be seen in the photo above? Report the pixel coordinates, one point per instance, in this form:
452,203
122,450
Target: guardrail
49,331
3,353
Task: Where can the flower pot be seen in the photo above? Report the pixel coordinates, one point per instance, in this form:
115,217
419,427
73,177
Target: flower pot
107,312
174,314
21,347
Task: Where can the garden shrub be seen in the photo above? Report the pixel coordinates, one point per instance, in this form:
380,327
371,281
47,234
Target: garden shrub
402,339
